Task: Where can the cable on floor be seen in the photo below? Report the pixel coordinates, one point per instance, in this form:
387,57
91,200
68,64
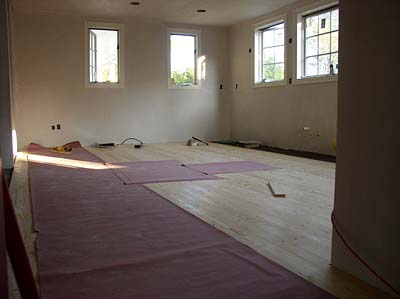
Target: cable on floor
359,258
135,139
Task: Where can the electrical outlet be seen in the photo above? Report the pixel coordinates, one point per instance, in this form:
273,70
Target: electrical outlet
53,127
58,127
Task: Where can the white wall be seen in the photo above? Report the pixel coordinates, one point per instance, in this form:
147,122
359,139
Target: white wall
276,115
49,89
367,200
5,103
49,86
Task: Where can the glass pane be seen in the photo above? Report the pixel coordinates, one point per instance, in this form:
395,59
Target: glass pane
268,38
335,19
280,54
104,56
279,37
324,45
335,42
335,63
269,72
269,55
311,26
183,59
311,67
311,46
325,22
323,64
280,71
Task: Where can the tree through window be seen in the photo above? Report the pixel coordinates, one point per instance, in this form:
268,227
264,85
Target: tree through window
273,53
183,59
269,54
321,43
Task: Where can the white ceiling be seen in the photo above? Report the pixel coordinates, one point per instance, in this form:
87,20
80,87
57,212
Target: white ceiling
219,12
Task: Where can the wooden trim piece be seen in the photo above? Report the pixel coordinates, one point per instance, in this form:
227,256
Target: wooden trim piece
16,248
276,190
3,253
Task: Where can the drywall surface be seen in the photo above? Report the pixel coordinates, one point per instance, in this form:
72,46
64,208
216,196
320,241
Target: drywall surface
221,12
5,103
276,116
50,88
367,200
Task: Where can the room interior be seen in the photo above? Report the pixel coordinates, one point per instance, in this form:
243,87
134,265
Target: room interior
308,211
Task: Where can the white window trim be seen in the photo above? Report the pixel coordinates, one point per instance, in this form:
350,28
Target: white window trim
121,58
197,33
298,41
267,23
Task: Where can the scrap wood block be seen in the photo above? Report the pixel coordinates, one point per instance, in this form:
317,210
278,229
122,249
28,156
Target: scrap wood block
276,190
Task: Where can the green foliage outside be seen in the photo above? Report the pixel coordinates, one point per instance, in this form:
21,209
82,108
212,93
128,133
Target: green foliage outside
185,78
269,72
274,72
279,72
106,75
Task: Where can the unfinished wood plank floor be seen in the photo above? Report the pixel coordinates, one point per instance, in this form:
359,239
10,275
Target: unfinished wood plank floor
294,231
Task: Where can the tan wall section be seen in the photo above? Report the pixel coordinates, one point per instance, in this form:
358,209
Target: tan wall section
50,89
367,200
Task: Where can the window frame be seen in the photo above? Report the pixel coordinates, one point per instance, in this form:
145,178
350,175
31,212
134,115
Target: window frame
121,68
258,29
197,35
92,37
299,54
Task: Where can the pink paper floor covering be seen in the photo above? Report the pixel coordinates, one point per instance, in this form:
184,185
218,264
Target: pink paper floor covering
157,172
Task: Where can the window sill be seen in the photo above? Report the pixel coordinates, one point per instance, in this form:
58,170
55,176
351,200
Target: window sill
269,84
188,87
104,85
316,80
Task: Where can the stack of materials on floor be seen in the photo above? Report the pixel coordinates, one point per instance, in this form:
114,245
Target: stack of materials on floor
194,141
249,144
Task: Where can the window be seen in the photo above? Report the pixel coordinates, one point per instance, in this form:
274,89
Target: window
269,54
319,36
103,54
183,59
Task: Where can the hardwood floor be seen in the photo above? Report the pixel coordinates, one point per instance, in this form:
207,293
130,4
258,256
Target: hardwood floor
294,231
